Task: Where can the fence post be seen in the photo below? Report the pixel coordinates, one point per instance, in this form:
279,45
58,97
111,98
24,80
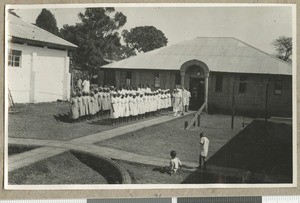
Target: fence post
232,106
266,107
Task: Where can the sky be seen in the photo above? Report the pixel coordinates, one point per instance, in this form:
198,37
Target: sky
257,26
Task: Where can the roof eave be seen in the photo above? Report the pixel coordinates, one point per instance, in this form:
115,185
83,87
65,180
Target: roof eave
42,43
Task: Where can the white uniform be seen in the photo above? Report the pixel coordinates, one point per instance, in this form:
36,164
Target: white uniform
169,100
152,103
115,105
126,107
159,101
146,104
86,86
176,104
140,104
184,97
148,90
122,107
204,141
134,106
188,95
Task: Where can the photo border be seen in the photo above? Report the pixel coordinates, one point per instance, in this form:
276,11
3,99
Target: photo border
166,186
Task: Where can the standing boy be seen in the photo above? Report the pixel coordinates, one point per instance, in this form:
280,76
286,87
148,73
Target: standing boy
204,144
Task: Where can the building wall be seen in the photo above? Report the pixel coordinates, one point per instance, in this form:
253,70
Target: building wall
144,77
253,101
42,77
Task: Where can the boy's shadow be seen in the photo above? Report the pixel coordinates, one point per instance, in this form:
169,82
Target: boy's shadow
162,170
63,118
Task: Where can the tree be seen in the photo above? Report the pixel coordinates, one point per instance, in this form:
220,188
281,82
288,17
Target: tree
144,38
283,47
46,20
97,38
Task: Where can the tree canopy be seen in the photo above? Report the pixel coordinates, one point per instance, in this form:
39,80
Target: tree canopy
283,47
96,37
144,38
46,20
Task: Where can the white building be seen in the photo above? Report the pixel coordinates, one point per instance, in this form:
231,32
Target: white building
38,63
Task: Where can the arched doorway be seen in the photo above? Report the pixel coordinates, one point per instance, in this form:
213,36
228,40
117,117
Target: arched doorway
194,77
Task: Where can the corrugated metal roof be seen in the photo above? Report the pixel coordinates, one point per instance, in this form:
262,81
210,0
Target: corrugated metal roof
220,54
24,30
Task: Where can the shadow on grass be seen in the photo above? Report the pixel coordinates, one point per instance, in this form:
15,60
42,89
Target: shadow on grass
65,118
103,166
263,149
162,170
101,121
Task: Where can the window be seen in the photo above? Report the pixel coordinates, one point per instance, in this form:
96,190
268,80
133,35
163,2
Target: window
243,84
219,83
128,77
156,79
177,78
278,87
14,58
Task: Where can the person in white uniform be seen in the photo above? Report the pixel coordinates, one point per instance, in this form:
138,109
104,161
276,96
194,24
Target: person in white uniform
188,94
204,144
86,85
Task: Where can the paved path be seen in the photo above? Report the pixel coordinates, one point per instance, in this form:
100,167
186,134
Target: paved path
32,156
125,129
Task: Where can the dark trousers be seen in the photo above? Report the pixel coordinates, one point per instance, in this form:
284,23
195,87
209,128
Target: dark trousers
202,161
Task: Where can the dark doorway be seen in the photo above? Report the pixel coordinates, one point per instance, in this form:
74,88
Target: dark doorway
197,93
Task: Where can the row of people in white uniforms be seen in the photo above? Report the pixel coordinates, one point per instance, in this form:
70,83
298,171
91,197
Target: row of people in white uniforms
138,105
87,105
127,103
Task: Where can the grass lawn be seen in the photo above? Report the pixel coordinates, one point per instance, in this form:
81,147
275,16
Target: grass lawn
48,121
64,168
147,174
17,149
160,139
260,149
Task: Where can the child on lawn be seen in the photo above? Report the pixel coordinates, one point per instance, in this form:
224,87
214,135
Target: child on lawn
175,163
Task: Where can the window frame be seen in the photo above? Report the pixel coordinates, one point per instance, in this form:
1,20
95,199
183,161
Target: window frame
128,78
177,78
281,84
219,83
12,56
243,84
156,79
